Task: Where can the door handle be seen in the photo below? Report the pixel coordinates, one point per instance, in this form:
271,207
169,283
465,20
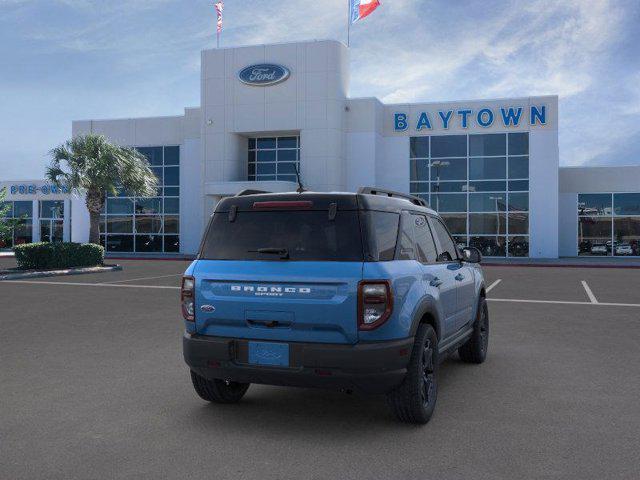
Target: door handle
459,277
436,282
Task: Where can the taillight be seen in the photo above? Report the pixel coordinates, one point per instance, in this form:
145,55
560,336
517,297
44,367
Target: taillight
187,298
286,204
375,303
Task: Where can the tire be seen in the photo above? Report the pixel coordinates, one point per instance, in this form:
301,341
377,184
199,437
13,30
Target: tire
475,349
218,391
415,399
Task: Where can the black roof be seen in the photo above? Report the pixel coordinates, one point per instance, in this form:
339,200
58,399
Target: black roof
322,200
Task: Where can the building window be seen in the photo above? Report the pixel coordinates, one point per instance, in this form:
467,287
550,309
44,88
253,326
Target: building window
51,220
150,224
480,186
23,232
273,158
609,224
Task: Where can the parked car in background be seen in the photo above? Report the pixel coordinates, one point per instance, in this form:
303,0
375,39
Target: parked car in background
624,249
599,249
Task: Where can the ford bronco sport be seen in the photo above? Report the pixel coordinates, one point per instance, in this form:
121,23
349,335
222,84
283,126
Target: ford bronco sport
363,291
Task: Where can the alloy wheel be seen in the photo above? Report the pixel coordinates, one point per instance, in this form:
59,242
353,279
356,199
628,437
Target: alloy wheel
428,374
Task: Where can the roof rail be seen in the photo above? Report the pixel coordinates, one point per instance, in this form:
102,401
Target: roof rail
390,193
250,191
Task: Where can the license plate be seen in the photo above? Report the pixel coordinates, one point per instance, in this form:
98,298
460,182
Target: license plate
267,353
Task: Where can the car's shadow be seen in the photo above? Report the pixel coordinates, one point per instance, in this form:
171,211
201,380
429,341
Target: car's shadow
282,410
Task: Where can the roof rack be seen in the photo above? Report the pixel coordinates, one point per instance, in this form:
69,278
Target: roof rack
390,193
250,191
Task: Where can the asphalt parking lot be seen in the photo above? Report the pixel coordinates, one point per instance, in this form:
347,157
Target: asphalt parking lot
93,385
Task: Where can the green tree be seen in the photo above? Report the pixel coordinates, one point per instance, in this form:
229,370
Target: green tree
7,224
95,167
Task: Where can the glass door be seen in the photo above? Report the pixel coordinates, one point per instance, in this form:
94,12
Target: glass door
51,230
52,221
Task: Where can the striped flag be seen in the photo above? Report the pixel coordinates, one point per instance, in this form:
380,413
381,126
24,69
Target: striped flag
361,8
219,5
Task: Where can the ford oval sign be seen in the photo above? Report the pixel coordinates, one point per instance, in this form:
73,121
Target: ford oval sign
263,74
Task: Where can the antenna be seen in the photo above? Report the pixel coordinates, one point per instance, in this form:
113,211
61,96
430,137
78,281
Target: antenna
300,188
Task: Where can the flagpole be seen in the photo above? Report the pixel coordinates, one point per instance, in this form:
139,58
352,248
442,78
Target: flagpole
348,23
218,5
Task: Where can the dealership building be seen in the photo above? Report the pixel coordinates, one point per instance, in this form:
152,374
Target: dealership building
490,167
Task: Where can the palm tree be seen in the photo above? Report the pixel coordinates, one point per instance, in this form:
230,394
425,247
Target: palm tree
89,163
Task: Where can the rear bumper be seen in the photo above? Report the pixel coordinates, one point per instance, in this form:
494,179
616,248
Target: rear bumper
373,367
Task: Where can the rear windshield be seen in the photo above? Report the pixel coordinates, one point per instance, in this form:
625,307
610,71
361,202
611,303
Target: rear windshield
304,235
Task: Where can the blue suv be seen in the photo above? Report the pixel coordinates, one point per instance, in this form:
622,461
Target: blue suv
358,291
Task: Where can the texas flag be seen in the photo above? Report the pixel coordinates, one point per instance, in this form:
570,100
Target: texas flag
362,8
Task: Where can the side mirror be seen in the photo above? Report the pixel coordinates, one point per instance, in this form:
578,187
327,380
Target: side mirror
471,255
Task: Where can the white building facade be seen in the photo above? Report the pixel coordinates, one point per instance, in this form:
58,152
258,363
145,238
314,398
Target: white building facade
490,167
44,213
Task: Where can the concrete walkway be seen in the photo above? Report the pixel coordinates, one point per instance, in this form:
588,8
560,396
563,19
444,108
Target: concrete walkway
587,262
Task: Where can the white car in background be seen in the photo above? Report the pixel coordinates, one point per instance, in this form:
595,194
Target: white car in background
624,249
599,249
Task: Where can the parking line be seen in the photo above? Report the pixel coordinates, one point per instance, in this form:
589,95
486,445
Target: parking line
563,302
141,278
78,284
507,300
490,287
590,294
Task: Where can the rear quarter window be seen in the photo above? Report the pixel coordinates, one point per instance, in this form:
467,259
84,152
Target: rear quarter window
381,234
406,238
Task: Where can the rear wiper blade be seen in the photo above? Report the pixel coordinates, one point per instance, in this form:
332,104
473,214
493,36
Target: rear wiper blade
283,252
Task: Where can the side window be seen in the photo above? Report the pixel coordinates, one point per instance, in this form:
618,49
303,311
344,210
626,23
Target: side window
406,243
424,241
448,250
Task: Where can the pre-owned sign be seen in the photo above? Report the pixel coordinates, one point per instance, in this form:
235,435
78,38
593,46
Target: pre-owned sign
33,189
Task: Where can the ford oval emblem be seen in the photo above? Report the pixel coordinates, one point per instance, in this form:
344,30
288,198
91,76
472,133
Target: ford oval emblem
207,308
263,74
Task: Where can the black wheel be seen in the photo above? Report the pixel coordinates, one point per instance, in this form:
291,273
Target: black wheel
415,400
475,349
218,391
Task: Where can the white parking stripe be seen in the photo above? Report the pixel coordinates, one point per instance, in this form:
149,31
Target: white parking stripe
590,294
506,300
78,284
490,287
563,302
142,278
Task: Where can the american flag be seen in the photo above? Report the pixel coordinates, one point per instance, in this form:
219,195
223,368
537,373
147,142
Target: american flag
219,7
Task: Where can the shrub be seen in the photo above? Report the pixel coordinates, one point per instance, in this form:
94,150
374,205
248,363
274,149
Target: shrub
44,256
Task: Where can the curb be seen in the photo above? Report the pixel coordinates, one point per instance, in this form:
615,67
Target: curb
167,259
186,258
558,265
60,273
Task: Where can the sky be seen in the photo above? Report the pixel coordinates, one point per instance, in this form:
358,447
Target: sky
64,60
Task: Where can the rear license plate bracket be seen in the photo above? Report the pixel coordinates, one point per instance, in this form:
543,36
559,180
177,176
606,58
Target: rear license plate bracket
269,353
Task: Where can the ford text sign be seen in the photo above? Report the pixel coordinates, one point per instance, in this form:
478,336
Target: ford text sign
263,74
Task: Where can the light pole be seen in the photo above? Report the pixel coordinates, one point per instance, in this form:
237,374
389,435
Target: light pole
438,164
497,214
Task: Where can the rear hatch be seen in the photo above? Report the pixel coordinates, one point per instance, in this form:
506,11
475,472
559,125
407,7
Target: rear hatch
285,270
